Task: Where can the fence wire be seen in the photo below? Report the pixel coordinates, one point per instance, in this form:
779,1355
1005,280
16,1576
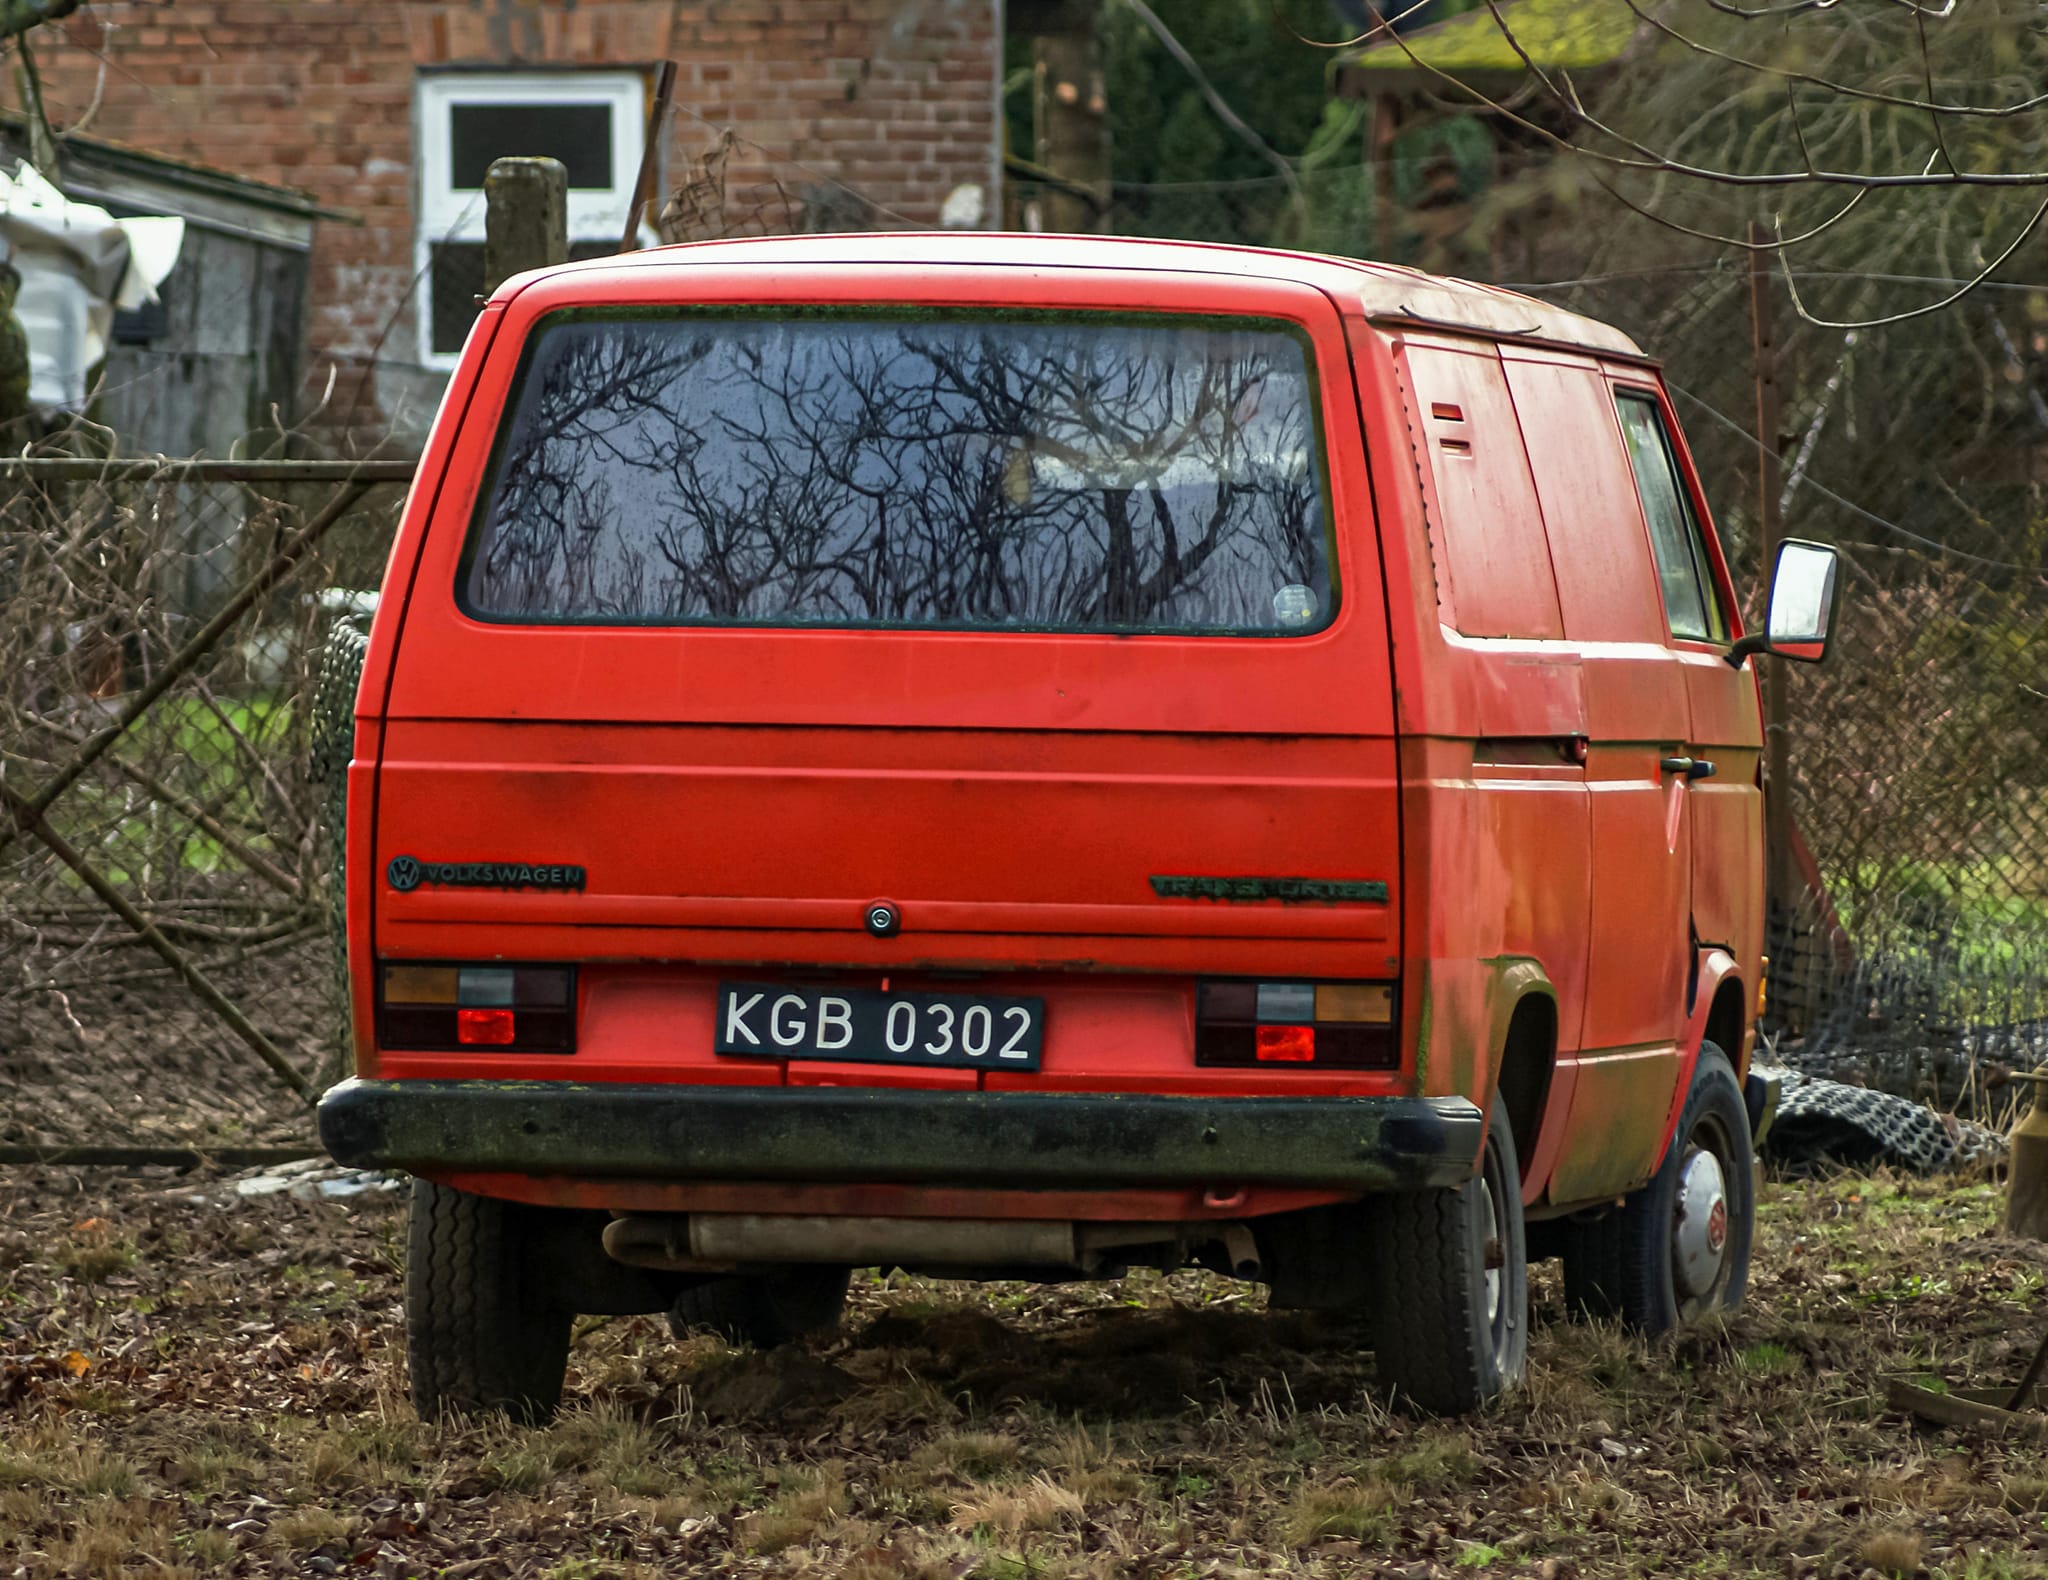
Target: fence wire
203,815
1918,949
1915,953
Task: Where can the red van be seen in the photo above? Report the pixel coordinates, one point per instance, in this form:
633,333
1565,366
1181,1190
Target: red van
1019,756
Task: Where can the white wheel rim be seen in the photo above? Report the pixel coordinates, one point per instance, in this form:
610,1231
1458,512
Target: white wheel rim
1699,1224
1493,1254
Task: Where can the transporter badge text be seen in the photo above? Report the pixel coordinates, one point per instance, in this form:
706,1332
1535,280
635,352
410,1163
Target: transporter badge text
406,873
1291,891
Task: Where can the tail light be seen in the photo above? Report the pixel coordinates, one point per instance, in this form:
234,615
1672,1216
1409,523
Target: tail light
1344,1025
456,1008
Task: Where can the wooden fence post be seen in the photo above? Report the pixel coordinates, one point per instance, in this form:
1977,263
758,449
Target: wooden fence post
1780,881
526,217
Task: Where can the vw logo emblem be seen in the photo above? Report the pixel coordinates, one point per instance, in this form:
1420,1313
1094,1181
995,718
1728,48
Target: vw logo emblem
404,873
884,920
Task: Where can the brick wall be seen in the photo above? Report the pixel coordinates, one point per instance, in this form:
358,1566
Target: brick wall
895,98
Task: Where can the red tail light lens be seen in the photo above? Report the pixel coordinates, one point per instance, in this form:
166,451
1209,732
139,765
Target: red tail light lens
1284,1044
433,1008
488,1027
1328,1025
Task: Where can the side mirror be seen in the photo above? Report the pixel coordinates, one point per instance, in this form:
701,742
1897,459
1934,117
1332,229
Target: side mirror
1801,612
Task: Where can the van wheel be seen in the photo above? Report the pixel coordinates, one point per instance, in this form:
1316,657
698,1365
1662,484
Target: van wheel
763,1309
1451,1299
481,1335
1679,1247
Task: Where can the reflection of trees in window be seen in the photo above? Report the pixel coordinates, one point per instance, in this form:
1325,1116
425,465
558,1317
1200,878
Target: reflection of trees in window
953,474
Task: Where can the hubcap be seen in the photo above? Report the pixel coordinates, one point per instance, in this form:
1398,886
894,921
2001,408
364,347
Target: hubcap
1699,1228
1494,1258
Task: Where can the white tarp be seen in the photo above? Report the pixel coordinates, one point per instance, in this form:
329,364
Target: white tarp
78,264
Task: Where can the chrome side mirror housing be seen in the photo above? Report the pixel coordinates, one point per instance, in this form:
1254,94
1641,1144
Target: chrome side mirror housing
1800,616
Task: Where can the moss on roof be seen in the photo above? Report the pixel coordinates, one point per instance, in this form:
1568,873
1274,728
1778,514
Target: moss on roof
1556,34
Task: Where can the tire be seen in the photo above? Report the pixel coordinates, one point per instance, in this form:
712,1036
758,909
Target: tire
763,1309
1659,1259
1451,1332
481,1334
331,741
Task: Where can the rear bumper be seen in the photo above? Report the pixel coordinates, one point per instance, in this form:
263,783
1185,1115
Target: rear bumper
828,1134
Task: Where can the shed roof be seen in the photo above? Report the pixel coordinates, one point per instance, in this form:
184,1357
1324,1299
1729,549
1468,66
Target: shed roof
1557,35
1378,290
133,179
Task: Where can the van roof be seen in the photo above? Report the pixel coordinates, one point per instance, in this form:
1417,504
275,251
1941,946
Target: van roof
1380,290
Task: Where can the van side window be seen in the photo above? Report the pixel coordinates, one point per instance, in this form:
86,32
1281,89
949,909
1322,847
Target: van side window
1691,601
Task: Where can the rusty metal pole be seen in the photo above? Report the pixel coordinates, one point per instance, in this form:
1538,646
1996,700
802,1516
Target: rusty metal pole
526,217
650,155
1779,884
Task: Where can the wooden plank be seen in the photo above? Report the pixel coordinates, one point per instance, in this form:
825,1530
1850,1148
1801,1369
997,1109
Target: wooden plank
1967,1407
162,1157
80,469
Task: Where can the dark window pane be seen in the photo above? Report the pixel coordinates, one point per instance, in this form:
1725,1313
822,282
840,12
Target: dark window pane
1691,601
456,269
936,472
580,135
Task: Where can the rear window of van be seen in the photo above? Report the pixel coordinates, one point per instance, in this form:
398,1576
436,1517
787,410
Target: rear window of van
941,472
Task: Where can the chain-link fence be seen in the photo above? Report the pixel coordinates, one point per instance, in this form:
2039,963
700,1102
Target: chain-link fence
188,847
165,921
1919,946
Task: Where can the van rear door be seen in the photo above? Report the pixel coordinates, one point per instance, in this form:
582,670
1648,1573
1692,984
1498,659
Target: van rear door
1044,605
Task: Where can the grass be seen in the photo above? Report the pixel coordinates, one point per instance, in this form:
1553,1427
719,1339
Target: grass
1357,1510
237,1405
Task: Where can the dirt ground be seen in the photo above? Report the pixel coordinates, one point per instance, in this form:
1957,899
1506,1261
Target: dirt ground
123,1055
196,1384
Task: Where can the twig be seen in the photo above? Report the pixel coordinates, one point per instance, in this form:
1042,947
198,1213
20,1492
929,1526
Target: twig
27,818
207,824
281,564
1216,101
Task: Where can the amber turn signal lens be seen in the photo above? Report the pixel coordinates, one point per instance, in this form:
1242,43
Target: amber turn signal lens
1370,1003
420,984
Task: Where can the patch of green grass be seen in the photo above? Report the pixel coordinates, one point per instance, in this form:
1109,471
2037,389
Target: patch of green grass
1435,1460
208,1547
1992,1566
1358,1510
95,1260
975,1456
1478,1555
1768,1360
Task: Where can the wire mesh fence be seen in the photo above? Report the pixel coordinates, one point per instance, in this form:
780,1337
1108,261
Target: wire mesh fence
1915,952
1917,947
179,865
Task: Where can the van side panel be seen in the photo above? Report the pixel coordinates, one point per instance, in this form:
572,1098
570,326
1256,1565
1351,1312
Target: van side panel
1639,953
1727,809
1494,813
375,684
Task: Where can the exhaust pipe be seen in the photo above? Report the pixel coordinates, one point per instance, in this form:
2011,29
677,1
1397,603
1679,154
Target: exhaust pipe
717,1242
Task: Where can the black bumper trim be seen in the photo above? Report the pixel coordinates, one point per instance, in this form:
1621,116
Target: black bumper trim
1016,1139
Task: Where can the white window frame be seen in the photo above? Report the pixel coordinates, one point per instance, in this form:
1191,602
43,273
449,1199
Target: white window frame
443,212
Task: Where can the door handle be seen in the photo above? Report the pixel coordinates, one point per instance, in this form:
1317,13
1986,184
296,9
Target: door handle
1691,767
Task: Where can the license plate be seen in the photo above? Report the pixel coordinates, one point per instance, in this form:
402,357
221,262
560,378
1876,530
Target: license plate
776,1021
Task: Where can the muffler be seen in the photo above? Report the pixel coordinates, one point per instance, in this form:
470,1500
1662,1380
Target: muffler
713,1242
